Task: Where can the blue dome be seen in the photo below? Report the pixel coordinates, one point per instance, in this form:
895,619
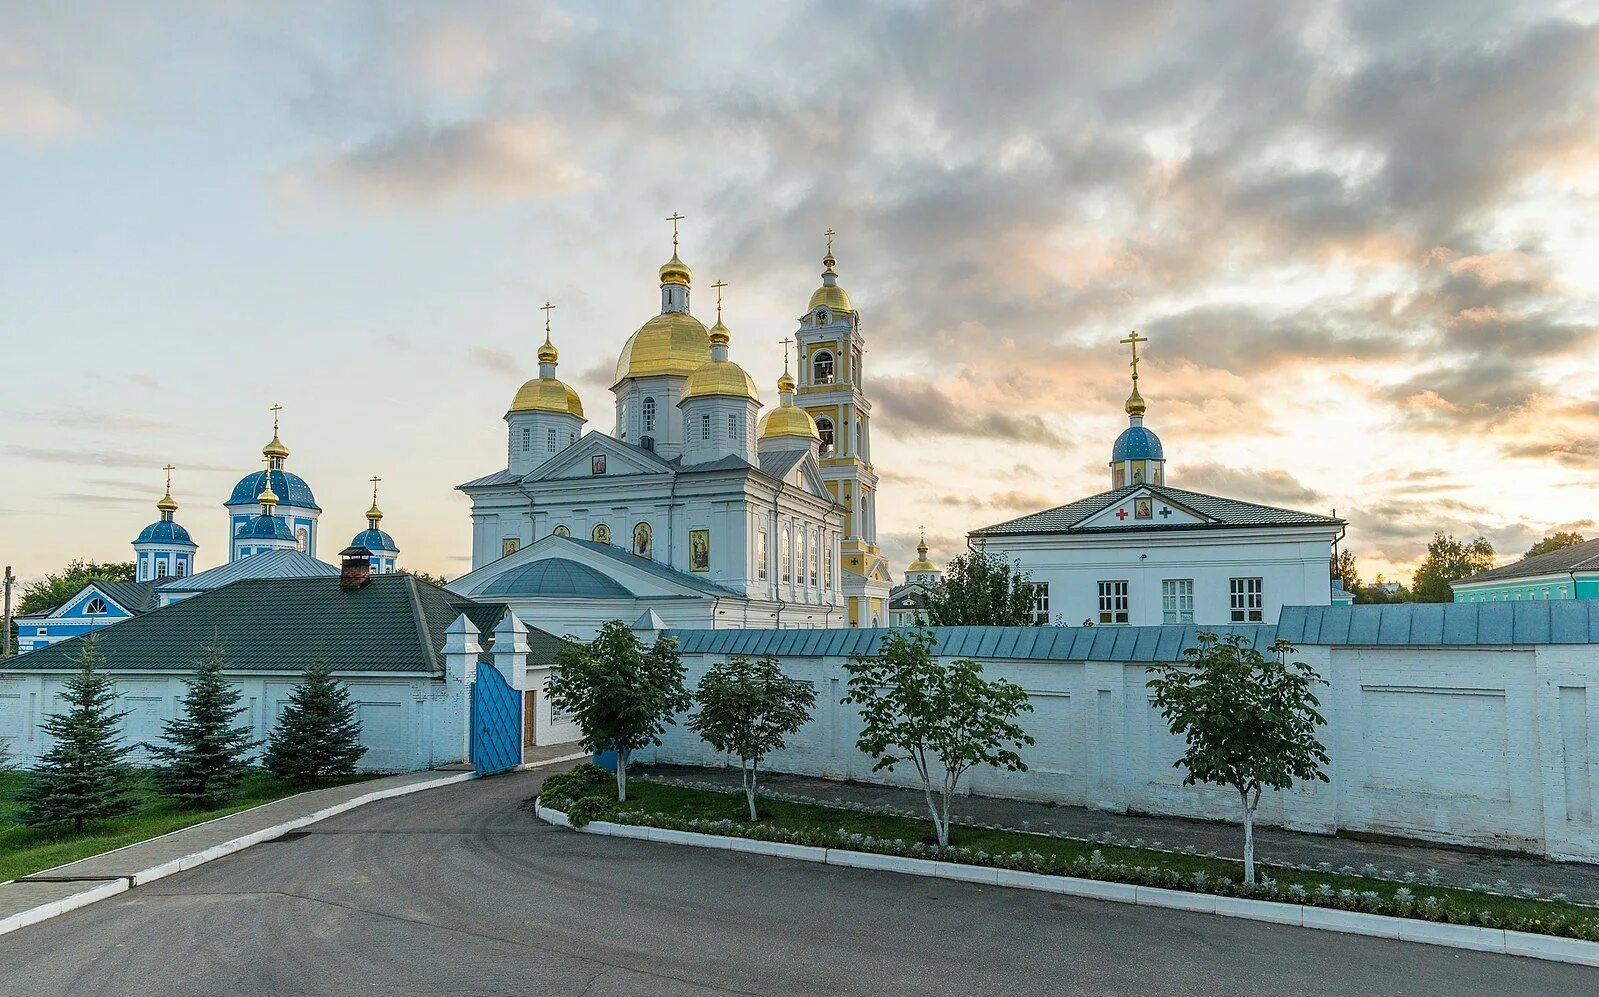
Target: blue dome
267,528
164,532
375,541
291,489
1137,443
554,577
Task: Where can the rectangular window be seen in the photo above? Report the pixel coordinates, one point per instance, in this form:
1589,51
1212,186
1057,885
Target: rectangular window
788,557
1177,600
1113,606
827,562
1248,600
182,570
160,569
1041,602
813,559
705,427
732,427
549,440
760,555
527,439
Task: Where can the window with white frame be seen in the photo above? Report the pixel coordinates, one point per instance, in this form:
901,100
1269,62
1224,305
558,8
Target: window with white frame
732,426
160,569
648,410
705,427
527,439
1177,601
813,545
824,429
761,553
788,556
1248,600
95,606
827,561
822,367
1041,602
1113,602
549,440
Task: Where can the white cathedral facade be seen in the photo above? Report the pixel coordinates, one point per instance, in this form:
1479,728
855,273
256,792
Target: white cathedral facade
694,510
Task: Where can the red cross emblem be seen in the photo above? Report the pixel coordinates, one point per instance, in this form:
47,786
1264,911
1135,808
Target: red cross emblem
1121,513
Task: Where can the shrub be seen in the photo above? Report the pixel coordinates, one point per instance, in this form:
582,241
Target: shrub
592,808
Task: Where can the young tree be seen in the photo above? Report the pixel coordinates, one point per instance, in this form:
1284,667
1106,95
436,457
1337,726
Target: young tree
83,778
1448,560
204,762
1345,570
437,581
318,736
982,589
943,719
748,708
1555,541
620,693
52,590
1250,720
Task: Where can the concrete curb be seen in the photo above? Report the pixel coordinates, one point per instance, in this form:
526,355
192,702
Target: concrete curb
1458,936
122,884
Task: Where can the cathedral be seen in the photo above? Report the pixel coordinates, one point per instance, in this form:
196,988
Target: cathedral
695,510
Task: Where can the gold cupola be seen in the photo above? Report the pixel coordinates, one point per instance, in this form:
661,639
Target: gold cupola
545,393
268,498
673,343
1135,403
675,271
720,376
830,295
374,515
788,419
921,563
166,504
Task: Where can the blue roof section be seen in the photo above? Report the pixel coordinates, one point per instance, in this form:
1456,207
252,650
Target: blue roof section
375,541
291,489
553,577
1468,624
164,532
287,563
654,567
1137,443
266,528
1151,644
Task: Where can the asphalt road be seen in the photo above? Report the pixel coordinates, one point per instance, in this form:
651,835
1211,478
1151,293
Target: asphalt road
462,890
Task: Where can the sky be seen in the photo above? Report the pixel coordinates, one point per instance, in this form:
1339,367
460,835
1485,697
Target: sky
1362,238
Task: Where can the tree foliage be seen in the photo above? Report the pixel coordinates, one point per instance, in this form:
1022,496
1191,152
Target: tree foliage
1347,571
1249,720
620,693
318,736
46,593
437,581
943,719
203,764
1447,560
748,709
1376,593
1555,541
84,776
981,589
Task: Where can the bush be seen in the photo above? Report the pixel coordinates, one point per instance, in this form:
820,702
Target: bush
564,787
592,808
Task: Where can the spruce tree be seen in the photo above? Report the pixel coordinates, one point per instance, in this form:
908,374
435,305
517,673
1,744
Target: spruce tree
205,759
318,736
83,777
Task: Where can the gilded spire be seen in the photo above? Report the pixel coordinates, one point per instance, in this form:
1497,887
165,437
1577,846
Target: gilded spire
275,450
719,332
548,353
828,262
786,382
1135,401
268,497
674,270
374,515
167,505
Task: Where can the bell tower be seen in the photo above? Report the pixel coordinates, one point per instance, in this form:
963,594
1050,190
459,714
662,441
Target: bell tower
832,389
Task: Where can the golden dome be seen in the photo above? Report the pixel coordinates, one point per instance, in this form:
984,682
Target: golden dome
548,353
268,497
1135,403
789,420
546,394
275,448
833,296
673,343
675,271
721,335
720,378
785,383
374,513
167,503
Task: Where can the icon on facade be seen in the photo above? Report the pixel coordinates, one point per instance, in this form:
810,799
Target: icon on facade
597,464
699,550
1143,508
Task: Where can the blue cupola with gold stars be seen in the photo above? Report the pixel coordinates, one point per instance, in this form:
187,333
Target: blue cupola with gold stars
295,504
385,554
1136,457
267,530
164,549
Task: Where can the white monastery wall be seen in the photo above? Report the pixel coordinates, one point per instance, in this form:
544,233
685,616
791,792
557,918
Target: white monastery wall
1473,746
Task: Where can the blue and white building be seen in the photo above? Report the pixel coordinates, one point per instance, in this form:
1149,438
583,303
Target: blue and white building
296,505
164,549
385,553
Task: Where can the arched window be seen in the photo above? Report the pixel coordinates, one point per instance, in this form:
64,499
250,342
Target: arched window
621,420
824,426
160,569
95,606
822,367
649,415
643,540
302,539
602,534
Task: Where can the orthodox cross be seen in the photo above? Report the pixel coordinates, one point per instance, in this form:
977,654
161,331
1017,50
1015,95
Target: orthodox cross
1133,339
169,468
275,409
674,218
375,480
829,233
719,285
546,308
787,342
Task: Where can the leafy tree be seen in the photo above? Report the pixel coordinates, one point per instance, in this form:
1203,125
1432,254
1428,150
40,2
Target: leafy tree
1250,720
1555,541
204,762
1346,571
747,708
318,736
620,693
981,589
438,581
1447,560
84,777
943,719
1377,594
50,591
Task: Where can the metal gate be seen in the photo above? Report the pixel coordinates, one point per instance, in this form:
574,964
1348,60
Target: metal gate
496,723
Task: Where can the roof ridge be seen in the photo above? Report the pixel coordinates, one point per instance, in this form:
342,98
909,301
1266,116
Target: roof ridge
420,619
1255,505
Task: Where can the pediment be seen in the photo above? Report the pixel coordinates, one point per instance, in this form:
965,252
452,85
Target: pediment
615,459
75,605
576,569
1142,508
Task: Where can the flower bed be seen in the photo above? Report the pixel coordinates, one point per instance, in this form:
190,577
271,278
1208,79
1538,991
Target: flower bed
587,794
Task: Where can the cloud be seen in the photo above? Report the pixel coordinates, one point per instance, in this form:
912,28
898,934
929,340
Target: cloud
28,111
500,361
1265,487
100,458
917,406
481,159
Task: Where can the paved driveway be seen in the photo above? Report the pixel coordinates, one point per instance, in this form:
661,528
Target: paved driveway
461,890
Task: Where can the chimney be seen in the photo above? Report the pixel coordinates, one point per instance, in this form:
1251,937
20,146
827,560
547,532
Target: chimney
356,570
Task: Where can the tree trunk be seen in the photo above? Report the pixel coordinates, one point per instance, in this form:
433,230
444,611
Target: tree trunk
949,787
940,831
749,790
621,776
1249,835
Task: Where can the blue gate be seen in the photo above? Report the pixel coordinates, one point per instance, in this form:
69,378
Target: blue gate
496,722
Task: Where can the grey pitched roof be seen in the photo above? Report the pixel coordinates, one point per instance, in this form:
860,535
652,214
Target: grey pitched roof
286,563
394,623
135,597
1532,621
777,464
1151,644
1222,513
1577,557
655,568
505,477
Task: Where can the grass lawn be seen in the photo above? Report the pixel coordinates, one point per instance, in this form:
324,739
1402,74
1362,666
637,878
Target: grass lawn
25,850
824,823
